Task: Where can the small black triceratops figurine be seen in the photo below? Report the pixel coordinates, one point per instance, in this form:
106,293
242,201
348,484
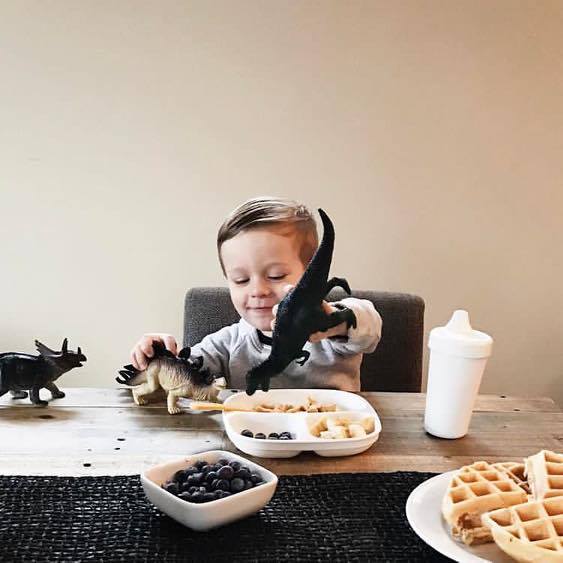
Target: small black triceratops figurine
22,372
179,377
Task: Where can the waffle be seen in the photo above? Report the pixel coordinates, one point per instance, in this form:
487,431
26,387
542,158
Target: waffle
545,474
529,532
476,489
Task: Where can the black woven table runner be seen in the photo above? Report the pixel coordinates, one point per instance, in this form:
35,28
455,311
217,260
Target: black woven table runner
337,517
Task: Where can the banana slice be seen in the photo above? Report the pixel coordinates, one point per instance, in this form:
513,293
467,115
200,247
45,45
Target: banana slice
356,431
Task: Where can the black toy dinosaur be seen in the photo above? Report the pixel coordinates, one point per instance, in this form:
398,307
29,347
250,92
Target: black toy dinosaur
300,314
22,372
178,376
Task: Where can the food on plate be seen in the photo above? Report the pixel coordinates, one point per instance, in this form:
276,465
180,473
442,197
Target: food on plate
476,489
205,482
310,406
519,506
271,436
532,531
545,474
339,428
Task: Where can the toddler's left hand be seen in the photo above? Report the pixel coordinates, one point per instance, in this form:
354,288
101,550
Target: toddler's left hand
338,330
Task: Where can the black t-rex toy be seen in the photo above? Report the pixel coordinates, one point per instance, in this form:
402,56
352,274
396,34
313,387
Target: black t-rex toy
22,372
300,314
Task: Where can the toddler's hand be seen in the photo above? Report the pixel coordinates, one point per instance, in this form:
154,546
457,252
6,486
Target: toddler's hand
338,330
143,350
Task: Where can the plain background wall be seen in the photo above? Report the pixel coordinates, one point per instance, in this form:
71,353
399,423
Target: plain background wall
430,131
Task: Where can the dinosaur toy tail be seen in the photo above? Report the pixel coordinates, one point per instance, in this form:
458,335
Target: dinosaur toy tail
130,375
260,375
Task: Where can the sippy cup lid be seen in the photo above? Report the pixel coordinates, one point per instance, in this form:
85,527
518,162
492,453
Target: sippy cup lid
457,338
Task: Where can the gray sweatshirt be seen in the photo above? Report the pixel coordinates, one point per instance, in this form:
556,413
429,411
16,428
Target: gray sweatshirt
333,362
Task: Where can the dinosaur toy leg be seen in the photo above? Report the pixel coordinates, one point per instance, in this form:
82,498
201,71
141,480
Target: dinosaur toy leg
34,396
303,357
172,398
338,282
342,315
151,385
55,391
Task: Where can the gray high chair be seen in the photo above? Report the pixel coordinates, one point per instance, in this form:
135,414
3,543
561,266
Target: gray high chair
396,364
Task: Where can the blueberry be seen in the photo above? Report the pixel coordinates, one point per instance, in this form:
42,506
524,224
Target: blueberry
199,464
193,479
208,497
226,472
185,496
172,487
260,436
216,466
235,465
179,476
223,484
206,469
197,497
285,438
237,485
214,483
288,434
243,473
255,477
273,436
211,476
223,461
247,433
185,487
226,494
218,494
192,489
248,485
202,490
190,470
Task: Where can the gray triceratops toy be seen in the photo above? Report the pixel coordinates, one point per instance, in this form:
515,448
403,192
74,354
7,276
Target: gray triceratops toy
20,373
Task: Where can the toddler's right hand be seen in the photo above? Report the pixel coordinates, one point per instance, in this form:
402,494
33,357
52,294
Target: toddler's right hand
143,350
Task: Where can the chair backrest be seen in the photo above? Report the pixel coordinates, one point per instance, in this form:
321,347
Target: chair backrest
396,364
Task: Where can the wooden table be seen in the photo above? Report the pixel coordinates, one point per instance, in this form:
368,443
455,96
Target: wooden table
102,432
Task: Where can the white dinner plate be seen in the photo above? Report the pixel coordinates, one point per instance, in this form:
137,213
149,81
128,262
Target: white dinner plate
425,517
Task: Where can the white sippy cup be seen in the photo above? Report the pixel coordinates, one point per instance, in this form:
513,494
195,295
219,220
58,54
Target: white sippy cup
458,355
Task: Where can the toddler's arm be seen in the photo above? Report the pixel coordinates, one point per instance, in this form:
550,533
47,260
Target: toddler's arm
214,348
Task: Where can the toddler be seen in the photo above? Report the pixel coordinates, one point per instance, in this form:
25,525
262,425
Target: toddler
264,247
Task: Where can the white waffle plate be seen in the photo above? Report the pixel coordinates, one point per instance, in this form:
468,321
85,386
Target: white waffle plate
425,517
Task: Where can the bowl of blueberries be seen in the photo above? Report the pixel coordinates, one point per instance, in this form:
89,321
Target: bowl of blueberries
209,489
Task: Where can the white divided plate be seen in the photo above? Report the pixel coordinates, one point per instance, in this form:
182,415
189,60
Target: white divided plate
354,406
424,513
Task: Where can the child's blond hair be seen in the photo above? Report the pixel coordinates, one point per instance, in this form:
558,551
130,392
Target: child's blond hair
263,211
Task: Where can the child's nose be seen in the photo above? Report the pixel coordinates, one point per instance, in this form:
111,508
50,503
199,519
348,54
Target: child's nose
259,288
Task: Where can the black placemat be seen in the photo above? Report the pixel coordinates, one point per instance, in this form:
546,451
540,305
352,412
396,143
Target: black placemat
337,517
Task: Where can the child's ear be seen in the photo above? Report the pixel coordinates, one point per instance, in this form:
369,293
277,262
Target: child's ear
185,353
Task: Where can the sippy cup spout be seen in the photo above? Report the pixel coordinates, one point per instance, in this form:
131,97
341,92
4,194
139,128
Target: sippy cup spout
459,322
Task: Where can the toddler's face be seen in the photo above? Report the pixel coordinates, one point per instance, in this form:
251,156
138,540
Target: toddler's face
259,263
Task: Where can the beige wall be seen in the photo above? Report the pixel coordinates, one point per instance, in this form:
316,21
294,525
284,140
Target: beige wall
431,131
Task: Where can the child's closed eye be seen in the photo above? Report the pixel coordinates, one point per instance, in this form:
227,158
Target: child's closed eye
278,277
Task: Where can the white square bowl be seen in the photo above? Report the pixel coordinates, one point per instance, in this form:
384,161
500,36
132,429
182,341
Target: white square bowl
205,516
